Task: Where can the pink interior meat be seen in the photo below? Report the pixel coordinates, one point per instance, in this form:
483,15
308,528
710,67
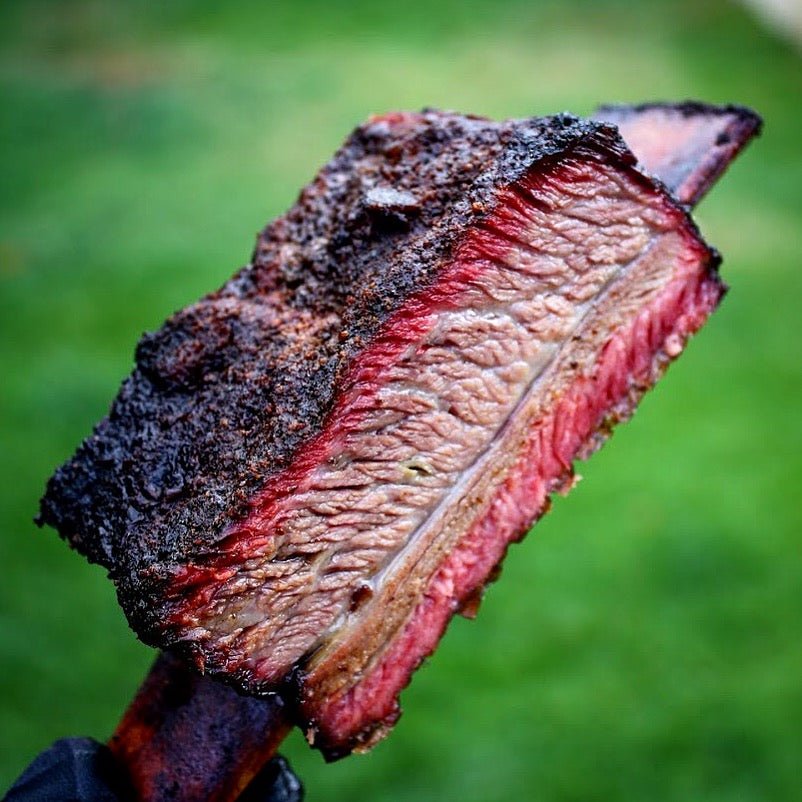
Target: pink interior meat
349,716
344,549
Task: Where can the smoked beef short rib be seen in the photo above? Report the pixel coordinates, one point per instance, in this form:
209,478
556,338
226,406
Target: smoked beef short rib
312,469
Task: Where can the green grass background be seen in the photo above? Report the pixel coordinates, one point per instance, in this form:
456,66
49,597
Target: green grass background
644,643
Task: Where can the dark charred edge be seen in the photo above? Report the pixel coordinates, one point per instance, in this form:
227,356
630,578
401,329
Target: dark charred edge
687,108
745,125
186,738
731,141
101,500
621,412
150,588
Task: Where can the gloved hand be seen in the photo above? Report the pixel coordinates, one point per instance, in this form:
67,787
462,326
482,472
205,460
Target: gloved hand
83,770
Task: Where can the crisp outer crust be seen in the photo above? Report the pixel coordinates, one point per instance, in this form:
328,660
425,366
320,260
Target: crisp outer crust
225,393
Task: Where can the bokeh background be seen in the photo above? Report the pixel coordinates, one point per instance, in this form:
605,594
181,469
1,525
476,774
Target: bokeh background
644,643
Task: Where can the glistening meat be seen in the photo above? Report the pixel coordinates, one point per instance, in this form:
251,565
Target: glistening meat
313,468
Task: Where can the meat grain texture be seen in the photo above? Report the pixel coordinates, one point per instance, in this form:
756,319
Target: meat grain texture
312,469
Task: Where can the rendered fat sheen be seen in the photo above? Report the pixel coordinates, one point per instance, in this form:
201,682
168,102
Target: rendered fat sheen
363,520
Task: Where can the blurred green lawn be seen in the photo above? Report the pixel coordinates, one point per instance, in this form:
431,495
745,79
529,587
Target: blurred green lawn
644,643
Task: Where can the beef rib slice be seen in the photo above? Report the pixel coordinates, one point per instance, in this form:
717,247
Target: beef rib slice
312,469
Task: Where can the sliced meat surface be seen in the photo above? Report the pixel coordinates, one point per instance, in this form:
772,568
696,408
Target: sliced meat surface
312,469
606,287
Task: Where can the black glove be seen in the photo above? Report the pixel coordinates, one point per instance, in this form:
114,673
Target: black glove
83,770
